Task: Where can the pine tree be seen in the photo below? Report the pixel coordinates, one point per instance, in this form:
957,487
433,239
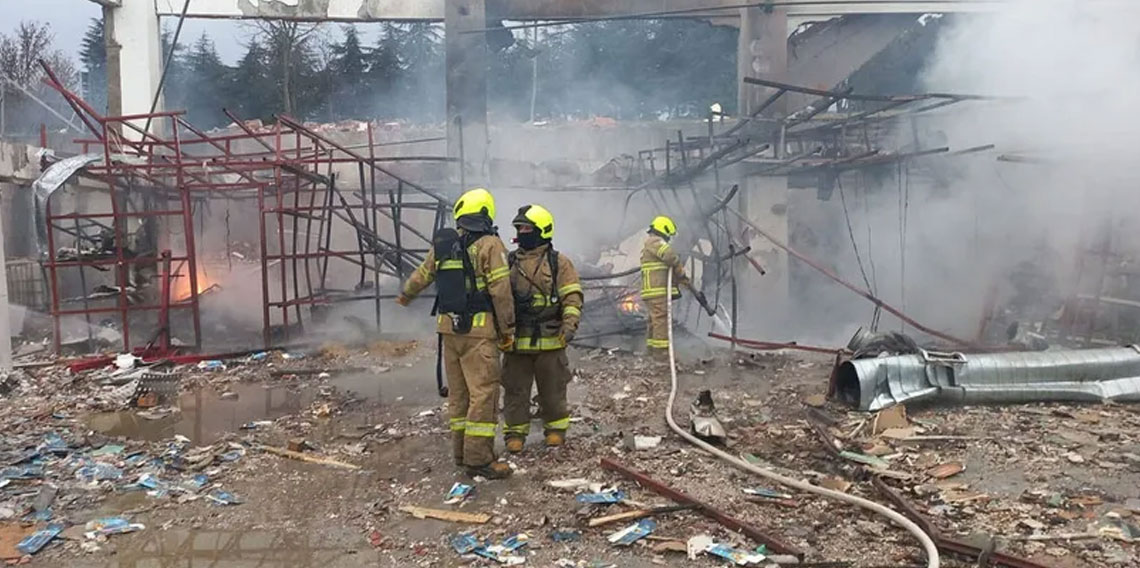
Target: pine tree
93,57
422,83
347,68
382,74
206,81
251,89
175,87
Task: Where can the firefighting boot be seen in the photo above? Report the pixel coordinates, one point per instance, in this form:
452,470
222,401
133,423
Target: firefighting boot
555,438
493,470
515,444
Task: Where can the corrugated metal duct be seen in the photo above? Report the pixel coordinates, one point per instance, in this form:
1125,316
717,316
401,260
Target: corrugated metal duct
1080,375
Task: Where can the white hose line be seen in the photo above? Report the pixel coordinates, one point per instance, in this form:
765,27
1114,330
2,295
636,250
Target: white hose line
927,544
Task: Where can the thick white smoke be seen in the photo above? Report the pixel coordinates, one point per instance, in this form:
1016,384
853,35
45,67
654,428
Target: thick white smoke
1067,132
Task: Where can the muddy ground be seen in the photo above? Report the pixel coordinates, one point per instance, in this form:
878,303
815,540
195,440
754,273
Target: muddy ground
1029,472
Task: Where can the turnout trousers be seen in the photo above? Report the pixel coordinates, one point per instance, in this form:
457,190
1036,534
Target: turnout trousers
472,366
657,328
550,371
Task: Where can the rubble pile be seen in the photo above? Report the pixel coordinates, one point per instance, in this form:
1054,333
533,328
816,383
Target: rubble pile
1051,483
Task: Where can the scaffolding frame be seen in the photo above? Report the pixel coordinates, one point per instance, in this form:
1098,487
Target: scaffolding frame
301,204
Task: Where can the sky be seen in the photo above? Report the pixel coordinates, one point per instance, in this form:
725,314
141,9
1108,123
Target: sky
69,20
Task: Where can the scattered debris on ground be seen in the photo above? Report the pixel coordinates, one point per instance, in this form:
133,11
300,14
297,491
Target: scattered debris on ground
366,456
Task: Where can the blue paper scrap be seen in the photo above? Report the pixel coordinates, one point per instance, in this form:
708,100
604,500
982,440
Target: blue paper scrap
136,459
99,472
35,542
604,497
464,543
566,535
458,493
223,497
515,542
196,483
55,444
231,456
38,516
633,533
738,557
22,472
109,450
111,525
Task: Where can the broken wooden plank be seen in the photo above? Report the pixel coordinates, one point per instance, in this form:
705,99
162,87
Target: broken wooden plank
635,514
442,515
307,458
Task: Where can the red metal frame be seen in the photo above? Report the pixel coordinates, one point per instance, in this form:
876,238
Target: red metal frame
299,207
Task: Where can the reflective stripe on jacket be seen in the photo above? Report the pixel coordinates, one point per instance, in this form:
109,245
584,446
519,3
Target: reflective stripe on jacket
657,257
531,276
489,260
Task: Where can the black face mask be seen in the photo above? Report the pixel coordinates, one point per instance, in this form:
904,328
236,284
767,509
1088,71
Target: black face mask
528,241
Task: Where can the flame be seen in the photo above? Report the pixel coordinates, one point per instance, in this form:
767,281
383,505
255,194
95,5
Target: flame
180,286
628,304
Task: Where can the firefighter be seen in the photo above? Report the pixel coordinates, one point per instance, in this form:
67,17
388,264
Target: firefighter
656,258
476,321
548,306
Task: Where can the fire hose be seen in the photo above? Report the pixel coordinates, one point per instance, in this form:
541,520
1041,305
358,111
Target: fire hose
932,558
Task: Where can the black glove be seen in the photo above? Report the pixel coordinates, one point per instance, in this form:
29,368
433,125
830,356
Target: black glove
704,302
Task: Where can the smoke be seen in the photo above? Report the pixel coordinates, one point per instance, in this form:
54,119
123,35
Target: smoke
943,234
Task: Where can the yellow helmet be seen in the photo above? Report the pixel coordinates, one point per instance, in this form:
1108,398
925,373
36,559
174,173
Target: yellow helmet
663,225
537,216
475,201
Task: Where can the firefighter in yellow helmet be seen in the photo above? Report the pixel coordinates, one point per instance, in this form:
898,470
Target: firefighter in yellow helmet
657,257
548,306
476,321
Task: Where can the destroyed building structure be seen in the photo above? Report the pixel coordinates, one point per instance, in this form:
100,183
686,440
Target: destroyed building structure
148,236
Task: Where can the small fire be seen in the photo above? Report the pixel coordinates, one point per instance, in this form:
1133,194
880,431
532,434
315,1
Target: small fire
180,286
628,304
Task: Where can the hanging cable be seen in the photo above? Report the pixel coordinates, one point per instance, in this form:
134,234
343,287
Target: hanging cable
904,214
851,234
932,558
877,313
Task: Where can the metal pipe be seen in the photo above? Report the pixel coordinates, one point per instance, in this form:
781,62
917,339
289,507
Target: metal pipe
771,346
773,543
1083,375
865,293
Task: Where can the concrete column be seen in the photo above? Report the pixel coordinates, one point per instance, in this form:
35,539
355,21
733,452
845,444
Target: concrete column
5,323
764,300
134,58
762,51
467,88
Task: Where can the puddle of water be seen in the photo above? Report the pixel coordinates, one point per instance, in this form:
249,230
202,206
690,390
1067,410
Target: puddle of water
401,386
205,417
210,547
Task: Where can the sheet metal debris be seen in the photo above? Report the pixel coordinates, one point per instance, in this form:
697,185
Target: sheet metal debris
1084,375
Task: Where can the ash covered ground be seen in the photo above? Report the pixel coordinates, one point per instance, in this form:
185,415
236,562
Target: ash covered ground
1053,483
